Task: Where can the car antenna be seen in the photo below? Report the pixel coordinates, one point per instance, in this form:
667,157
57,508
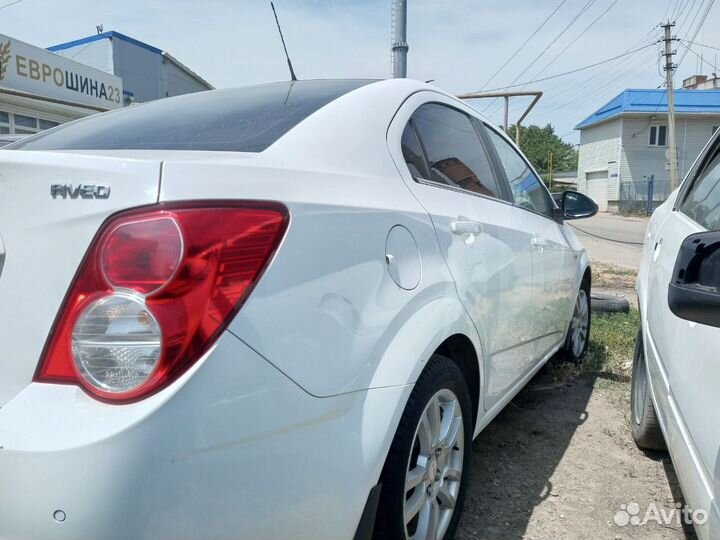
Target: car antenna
290,66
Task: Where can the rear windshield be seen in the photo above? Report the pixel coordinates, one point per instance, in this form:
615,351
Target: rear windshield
240,119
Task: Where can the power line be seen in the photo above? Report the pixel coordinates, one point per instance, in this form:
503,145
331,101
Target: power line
697,29
578,37
571,43
11,4
606,238
523,45
707,46
573,70
700,57
562,32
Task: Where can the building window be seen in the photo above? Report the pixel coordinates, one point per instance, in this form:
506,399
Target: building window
4,123
21,124
46,124
658,135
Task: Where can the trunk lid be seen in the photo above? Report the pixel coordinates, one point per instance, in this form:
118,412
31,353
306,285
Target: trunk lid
51,206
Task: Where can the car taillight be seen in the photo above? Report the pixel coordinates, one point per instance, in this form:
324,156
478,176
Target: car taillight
157,287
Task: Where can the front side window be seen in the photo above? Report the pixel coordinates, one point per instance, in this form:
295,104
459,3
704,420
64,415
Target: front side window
527,189
455,155
658,135
702,203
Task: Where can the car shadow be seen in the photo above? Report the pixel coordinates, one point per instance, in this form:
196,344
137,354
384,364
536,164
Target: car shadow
517,454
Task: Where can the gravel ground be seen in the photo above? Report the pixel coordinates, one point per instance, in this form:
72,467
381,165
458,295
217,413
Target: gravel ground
559,462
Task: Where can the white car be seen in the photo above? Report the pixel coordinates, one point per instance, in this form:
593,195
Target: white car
9,139
675,398
275,312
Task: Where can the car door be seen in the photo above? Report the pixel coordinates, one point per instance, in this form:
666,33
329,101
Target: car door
682,355
451,174
554,262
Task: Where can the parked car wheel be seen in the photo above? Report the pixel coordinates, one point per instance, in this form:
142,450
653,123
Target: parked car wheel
425,474
645,426
578,336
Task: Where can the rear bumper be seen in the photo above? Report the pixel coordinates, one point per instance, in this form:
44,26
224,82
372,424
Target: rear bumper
233,450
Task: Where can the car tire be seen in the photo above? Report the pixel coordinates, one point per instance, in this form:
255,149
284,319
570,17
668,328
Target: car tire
609,303
427,457
644,422
577,339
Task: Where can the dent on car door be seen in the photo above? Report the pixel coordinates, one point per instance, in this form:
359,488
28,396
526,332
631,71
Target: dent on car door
682,355
554,263
449,171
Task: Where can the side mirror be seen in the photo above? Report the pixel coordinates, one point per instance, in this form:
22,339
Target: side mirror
694,290
576,205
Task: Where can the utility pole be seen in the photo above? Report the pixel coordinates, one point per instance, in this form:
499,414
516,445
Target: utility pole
669,72
505,114
399,44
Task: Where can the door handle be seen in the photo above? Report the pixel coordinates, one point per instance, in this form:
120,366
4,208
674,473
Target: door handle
538,241
466,227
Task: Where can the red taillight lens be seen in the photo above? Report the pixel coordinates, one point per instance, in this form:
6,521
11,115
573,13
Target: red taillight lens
142,255
155,290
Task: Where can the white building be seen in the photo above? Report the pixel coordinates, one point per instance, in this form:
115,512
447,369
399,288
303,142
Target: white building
147,72
41,88
624,142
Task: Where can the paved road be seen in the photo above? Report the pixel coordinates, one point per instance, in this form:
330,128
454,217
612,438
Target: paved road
612,239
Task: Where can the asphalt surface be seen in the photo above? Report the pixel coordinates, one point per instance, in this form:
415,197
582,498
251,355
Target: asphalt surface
612,239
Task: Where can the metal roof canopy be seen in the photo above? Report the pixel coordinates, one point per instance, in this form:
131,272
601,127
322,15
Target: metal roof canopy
507,95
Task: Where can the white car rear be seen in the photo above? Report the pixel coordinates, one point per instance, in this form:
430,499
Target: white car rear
281,311
676,371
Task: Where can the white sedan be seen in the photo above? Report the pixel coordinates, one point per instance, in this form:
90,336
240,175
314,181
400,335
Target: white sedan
281,311
675,398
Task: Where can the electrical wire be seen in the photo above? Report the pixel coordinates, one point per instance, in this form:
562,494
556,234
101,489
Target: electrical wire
523,45
710,4
555,58
707,46
11,4
699,57
578,37
627,242
555,39
599,76
573,70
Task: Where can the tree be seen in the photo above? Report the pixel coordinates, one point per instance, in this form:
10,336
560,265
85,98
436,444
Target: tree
537,143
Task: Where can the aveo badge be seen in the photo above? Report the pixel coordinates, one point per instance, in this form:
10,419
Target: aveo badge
80,191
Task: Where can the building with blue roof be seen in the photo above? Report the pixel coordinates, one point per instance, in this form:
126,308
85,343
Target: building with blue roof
42,88
147,72
624,143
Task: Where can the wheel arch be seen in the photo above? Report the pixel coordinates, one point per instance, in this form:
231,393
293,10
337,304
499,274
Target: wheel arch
461,350
441,326
587,277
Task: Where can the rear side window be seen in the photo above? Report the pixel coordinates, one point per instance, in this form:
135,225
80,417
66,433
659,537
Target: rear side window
702,203
240,119
413,154
455,155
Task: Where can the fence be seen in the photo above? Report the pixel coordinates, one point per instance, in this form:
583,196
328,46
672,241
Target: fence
643,196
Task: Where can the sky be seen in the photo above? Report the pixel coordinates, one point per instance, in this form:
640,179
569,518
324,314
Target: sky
458,43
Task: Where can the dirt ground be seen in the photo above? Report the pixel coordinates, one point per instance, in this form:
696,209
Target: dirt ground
559,461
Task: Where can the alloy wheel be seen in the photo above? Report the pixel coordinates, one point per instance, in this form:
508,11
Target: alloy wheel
580,324
434,472
639,382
